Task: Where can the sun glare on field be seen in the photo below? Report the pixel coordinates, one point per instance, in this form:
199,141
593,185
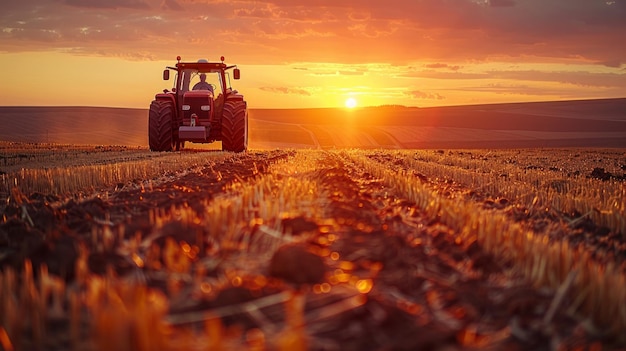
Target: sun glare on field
350,102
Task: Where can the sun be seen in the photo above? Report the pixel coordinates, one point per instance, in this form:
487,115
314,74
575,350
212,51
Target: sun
351,102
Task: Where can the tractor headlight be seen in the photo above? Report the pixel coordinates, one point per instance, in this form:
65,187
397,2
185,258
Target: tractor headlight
205,107
186,107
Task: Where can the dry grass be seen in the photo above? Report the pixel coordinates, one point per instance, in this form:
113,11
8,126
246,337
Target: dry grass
599,291
245,222
60,170
548,182
124,315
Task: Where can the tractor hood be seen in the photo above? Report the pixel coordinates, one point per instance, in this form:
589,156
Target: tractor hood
198,94
198,102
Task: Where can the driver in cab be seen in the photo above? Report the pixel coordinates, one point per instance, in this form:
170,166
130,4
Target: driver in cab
202,84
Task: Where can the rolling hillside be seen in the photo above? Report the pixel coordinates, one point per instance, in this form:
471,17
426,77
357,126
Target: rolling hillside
586,123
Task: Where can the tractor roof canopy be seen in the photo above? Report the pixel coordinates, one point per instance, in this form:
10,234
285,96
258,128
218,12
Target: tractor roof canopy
202,66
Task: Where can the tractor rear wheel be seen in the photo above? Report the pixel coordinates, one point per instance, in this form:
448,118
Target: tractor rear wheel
160,120
235,126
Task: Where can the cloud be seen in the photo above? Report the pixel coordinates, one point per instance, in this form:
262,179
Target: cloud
333,69
579,78
502,88
528,90
442,65
171,5
350,31
421,95
501,3
111,4
456,75
286,90
322,73
615,63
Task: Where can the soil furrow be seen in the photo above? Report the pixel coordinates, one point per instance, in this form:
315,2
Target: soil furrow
440,289
606,246
39,228
544,263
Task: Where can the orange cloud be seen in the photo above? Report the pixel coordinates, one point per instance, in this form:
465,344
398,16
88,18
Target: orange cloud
347,31
442,65
452,47
286,90
421,95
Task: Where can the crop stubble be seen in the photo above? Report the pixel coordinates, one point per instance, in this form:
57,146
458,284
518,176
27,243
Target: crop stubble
300,249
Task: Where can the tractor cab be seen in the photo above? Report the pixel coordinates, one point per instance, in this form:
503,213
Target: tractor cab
196,91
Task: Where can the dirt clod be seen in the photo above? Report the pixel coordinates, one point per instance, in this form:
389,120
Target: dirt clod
295,264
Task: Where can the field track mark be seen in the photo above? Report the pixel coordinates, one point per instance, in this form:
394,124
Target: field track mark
313,137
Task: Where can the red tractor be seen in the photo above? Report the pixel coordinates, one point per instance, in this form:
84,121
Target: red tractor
196,110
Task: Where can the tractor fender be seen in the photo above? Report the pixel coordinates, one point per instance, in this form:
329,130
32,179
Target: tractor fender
166,97
234,97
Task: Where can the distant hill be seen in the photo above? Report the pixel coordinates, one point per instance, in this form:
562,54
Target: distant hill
582,123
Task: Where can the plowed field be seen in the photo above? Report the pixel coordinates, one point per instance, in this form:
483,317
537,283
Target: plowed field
123,249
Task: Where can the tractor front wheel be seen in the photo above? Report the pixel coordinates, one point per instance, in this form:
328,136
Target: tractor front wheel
235,126
160,121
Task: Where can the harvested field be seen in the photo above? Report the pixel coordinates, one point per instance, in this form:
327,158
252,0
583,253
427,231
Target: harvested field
312,249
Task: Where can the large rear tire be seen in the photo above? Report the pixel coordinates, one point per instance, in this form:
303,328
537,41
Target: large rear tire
160,121
235,126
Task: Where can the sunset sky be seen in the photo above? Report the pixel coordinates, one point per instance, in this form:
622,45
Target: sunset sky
316,53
